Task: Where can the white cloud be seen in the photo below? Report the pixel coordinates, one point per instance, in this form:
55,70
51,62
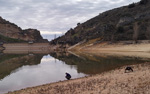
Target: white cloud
54,15
50,33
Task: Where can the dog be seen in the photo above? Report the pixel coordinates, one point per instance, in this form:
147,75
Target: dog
129,69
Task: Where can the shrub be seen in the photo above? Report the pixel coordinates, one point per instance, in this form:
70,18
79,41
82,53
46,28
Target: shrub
10,40
120,29
126,15
72,32
78,24
143,2
131,5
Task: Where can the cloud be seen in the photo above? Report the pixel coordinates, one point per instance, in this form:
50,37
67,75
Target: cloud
50,33
54,15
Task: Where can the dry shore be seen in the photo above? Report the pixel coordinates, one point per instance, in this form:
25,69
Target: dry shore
112,82
141,50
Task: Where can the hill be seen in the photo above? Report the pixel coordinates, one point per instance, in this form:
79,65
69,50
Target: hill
10,33
130,22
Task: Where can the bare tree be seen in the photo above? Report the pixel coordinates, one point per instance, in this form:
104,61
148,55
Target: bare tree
148,33
136,32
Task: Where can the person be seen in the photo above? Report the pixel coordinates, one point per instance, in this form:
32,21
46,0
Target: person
68,76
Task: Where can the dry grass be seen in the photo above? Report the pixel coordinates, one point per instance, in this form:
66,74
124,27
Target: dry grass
112,82
84,44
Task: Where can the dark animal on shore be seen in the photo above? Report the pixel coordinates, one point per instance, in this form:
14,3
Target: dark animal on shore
68,76
129,69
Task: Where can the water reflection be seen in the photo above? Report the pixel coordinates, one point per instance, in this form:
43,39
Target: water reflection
21,71
93,64
10,62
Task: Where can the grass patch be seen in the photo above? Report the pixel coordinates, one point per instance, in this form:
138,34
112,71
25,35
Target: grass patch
10,40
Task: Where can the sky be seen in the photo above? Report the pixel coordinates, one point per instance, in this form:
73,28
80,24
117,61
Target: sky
54,16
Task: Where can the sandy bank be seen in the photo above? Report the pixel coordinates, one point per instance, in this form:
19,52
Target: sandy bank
112,82
135,50
142,47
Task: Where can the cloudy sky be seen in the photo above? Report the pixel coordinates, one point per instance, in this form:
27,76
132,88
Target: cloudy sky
54,16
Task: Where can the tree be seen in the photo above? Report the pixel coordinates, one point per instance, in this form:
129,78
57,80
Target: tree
143,2
136,32
78,24
131,5
120,29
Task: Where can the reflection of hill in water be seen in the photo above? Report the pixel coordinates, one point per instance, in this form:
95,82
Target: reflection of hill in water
9,63
92,64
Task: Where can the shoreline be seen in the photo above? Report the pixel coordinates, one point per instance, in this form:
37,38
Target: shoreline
111,82
141,50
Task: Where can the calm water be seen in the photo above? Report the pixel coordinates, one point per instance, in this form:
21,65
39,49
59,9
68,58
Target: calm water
21,71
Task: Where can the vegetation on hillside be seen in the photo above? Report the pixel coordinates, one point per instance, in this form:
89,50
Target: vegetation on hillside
125,23
10,40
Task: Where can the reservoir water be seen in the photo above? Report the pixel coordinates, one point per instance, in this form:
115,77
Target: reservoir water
18,71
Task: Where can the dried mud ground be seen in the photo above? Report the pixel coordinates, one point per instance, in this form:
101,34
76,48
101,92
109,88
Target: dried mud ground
111,82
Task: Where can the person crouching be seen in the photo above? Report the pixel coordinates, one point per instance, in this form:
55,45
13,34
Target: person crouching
68,76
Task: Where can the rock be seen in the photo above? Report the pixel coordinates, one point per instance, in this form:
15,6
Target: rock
124,21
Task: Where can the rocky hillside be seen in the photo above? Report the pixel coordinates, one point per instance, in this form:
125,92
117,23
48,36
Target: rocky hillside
130,22
9,32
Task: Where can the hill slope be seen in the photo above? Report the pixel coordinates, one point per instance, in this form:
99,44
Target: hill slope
130,22
9,32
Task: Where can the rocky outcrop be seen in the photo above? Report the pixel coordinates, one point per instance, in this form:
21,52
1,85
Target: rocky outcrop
124,21
10,30
33,35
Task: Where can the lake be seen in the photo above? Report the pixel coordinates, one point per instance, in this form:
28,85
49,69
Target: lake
18,71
